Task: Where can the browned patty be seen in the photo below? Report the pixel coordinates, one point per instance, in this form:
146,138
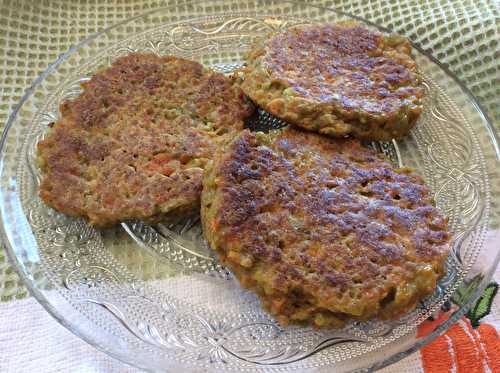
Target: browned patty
323,230
337,80
135,142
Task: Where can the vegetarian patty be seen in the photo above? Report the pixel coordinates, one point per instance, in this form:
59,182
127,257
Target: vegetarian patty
337,80
323,230
135,142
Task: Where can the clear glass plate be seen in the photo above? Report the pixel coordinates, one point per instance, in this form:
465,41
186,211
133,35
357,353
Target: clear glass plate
155,296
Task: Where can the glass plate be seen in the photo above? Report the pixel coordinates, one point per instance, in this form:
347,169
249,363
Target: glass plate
155,296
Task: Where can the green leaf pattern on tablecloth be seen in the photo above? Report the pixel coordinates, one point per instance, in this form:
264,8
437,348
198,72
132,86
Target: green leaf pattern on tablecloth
483,305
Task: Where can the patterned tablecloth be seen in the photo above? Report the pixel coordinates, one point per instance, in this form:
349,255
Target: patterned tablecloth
464,35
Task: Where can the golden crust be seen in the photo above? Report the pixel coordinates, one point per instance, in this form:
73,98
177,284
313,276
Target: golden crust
337,80
134,143
324,230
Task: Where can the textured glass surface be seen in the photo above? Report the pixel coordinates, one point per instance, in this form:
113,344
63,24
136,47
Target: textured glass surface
155,296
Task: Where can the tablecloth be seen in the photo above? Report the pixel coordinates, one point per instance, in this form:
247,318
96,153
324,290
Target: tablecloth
464,35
